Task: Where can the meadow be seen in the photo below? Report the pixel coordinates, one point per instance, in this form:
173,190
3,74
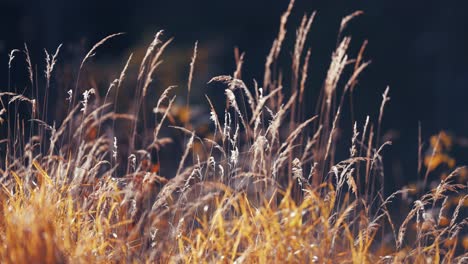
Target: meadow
260,181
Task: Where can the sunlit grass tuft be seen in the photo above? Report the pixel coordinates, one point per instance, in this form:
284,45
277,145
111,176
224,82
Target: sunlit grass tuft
258,182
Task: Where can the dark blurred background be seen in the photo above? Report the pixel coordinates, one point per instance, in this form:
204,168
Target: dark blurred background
418,48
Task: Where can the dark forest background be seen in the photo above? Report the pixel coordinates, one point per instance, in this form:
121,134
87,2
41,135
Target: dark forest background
418,48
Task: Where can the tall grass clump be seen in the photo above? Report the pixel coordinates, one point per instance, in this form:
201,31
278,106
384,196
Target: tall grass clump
267,184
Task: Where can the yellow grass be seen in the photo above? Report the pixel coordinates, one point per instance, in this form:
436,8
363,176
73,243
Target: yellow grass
259,184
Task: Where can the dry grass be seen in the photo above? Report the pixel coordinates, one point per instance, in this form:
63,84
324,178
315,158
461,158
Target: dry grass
263,186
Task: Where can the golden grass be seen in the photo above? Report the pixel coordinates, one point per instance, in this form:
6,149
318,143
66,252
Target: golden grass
251,190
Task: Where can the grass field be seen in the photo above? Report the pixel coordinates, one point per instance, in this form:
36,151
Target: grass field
260,184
